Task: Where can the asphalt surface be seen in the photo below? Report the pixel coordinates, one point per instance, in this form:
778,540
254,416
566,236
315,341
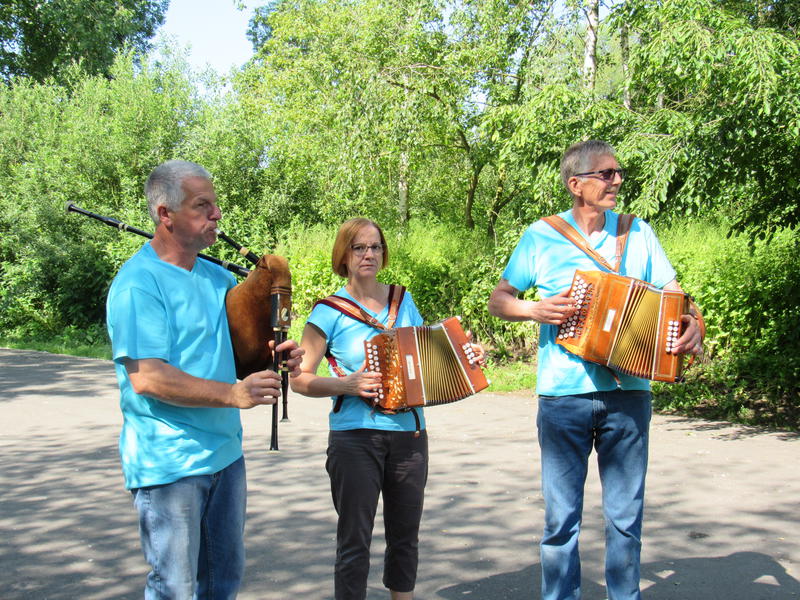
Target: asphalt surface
722,517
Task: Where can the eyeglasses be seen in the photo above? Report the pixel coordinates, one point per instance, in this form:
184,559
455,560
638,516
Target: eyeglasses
604,174
361,249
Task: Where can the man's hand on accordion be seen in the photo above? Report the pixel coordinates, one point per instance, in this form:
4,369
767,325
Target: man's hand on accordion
554,309
691,340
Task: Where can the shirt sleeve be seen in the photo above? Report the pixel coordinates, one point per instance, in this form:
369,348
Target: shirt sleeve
324,318
139,325
660,270
409,314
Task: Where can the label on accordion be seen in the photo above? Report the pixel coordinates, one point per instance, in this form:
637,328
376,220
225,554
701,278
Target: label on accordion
411,372
609,320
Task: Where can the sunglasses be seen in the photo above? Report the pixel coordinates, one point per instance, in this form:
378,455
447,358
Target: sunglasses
604,174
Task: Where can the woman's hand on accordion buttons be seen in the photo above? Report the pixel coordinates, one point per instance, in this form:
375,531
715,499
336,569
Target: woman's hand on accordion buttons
691,339
555,309
362,383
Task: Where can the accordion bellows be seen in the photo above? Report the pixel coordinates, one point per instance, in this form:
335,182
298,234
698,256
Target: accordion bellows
625,324
422,366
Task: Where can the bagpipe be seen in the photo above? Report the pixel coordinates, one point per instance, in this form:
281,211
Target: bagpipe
258,310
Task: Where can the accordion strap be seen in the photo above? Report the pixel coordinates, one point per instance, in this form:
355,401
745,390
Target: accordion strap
354,311
568,231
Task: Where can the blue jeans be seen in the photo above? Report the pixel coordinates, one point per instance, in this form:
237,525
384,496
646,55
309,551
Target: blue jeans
616,423
192,533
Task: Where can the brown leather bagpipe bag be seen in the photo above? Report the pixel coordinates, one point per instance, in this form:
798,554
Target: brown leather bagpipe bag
258,308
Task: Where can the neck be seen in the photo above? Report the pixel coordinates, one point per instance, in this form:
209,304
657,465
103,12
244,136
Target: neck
170,251
364,290
588,219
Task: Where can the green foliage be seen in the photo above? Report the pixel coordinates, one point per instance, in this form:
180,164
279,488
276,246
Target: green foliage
383,108
41,40
713,87
748,294
92,145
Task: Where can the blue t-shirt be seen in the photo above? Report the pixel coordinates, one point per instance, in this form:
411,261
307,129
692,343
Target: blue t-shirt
546,259
346,337
160,311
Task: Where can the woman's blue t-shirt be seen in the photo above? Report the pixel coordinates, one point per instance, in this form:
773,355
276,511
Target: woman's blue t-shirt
346,337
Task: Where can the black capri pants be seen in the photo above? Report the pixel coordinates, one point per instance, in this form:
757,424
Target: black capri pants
362,464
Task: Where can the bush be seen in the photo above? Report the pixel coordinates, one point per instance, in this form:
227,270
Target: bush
446,274
749,293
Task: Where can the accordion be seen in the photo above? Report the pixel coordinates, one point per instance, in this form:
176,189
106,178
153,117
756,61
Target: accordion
422,366
625,324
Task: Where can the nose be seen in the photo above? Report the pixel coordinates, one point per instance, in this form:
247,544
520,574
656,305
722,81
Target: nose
216,213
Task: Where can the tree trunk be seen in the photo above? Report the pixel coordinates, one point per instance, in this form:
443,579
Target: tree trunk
497,201
469,222
402,189
590,51
626,74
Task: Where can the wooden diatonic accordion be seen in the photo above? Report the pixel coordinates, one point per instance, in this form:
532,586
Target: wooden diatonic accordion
422,366
625,324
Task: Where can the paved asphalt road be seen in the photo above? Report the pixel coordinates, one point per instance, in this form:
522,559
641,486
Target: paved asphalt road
722,517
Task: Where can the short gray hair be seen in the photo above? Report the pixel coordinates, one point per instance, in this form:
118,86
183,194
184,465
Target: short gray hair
580,157
164,185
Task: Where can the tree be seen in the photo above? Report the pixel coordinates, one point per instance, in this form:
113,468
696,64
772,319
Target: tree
716,98
387,106
39,39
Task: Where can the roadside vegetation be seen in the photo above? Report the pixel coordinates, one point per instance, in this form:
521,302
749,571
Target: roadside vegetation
445,123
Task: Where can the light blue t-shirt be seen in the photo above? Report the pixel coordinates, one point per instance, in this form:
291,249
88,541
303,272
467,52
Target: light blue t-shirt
346,337
546,259
161,311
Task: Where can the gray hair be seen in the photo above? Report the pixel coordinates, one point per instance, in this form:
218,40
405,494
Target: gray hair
580,157
164,186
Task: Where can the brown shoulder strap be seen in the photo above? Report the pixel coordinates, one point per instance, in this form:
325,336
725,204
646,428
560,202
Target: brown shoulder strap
396,294
568,231
624,223
354,311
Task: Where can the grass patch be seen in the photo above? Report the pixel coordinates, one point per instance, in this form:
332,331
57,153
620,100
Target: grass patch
88,343
517,376
57,347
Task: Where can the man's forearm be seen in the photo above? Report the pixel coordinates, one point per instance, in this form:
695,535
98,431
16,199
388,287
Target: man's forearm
156,379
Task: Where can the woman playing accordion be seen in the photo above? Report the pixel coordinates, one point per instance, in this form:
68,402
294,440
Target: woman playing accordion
370,451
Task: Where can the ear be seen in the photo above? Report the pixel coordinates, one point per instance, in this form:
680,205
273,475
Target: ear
574,186
164,215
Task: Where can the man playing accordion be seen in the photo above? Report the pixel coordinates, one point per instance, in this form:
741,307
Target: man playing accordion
583,404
